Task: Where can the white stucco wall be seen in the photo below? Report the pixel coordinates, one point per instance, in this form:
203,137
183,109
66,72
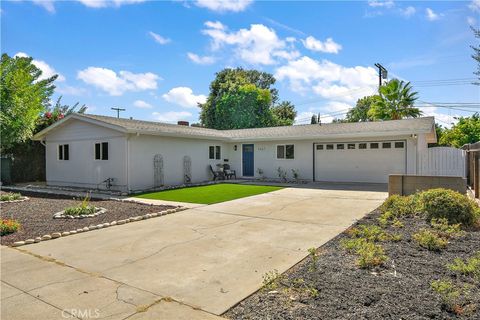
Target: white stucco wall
82,170
143,148
265,155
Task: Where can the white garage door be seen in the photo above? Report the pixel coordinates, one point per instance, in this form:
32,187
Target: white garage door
359,161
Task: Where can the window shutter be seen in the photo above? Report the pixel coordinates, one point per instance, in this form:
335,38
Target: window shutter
104,150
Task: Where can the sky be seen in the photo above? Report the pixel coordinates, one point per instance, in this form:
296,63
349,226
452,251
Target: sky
156,59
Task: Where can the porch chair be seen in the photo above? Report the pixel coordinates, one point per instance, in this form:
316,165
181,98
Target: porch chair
229,173
216,174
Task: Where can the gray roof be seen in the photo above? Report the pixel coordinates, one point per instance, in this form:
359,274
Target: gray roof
324,131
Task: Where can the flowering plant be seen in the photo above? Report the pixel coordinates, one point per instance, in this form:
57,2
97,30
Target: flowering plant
8,226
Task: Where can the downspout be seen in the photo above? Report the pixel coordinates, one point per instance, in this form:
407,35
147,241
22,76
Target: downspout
42,142
127,169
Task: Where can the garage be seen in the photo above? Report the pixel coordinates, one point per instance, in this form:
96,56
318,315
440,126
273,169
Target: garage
370,161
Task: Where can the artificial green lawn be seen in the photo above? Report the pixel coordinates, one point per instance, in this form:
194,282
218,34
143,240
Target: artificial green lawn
214,193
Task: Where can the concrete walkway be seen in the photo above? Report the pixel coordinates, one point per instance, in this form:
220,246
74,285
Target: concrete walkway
194,264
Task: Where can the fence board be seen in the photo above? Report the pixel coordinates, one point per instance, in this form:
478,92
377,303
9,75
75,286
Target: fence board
442,161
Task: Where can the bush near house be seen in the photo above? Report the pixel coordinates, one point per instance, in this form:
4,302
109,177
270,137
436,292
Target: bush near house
448,204
8,226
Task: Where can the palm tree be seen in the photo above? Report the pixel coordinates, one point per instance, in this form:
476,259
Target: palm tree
395,102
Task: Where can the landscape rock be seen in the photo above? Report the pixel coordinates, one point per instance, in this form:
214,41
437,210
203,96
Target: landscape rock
18,243
46,237
29,241
56,235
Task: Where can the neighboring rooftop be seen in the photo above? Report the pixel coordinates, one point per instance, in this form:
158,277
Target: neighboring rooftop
309,131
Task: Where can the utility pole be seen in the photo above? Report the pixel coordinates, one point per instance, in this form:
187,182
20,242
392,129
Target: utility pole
118,111
382,73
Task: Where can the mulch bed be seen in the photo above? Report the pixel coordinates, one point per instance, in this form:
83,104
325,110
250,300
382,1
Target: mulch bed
36,215
347,292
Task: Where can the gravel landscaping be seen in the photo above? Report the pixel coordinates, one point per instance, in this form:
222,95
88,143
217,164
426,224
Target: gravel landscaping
334,287
36,215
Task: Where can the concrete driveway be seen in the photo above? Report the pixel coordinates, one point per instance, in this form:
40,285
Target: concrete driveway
194,264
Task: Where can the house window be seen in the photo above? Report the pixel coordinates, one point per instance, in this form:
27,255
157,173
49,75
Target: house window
319,146
351,146
329,146
374,145
63,152
286,151
101,151
362,146
340,146
399,144
214,152
386,145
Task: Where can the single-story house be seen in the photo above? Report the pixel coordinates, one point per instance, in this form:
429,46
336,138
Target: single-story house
90,151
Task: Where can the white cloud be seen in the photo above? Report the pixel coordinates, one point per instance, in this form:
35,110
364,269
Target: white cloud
328,46
183,96
108,3
201,60
431,15
327,79
224,5
46,4
171,116
70,90
471,21
117,84
408,11
257,45
382,4
158,38
49,5
475,5
142,104
47,70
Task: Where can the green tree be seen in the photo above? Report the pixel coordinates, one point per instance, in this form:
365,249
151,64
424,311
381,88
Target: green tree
466,130
360,111
241,95
284,114
246,107
23,97
476,55
395,102
314,120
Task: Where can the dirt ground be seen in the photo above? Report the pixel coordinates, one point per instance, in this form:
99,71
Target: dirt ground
36,215
399,290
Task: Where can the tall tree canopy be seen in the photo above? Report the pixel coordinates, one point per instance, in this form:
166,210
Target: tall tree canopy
284,113
23,97
360,111
244,99
466,130
395,102
476,55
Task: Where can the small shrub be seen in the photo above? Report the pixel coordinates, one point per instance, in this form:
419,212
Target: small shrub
470,267
261,173
83,209
10,196
271,280
369,232
352,245
314,256
430,240
370,255
448,204
454,298
295,174
445,229
8,226
282,174
400,205
397,224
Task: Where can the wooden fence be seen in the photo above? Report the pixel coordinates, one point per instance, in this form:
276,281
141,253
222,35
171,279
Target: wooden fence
442,161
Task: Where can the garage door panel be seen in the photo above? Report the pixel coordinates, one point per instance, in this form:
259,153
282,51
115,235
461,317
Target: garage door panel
359,165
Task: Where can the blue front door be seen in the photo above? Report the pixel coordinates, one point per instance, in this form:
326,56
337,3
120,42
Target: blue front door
248,166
